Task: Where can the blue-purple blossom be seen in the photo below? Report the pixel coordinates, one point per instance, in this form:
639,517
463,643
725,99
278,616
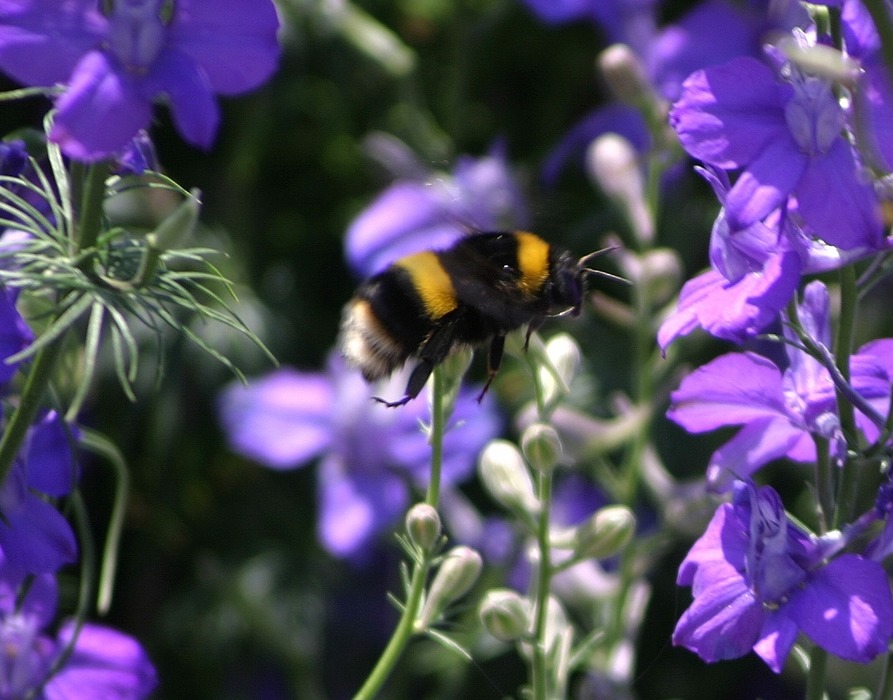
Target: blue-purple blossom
15,335
34,537
103,663
434,210
780,409
758,580
754,273
783,130
115,66
372,457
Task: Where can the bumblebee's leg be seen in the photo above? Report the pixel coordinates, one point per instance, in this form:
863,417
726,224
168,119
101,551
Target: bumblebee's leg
494,359
432,353
531,328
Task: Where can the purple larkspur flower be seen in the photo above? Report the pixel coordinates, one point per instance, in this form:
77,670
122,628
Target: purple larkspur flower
372,457
34,537
780,410
758,580
754,273
103,663
785,135
15,334
115,66
433,211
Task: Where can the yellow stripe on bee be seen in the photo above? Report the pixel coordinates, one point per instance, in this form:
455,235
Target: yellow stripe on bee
431,282
533,261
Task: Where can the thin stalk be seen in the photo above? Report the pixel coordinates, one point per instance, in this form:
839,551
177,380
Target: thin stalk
406,626
885,691
815,679
847,488
539,667
32,396
90,212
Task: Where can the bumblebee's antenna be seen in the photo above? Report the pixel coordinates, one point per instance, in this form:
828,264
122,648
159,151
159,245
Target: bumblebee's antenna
586,259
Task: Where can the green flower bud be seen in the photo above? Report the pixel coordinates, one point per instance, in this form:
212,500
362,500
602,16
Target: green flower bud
460,569
505,614
541,446
423,526
605,533
506,478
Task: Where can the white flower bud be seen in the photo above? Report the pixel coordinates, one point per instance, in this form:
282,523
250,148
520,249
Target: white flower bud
605,533
423,525
506,477
505,614
624,74
541,446
460,569
613,165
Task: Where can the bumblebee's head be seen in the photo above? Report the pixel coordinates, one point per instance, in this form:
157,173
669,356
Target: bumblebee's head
569,280
569,284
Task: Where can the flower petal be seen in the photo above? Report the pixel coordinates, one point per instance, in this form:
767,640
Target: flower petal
281,420
191,99
35,538
100,112
729,114
732,389
41,41
752,447
846,608
839,205
767,180
104,663
355,506
722,622
50,457
776,639
234,42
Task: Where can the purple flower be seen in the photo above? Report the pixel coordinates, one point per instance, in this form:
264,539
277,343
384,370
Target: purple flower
758,580
115,66
780,410
755,272
15,335
103,662
419,214
372,456
785,135
34,537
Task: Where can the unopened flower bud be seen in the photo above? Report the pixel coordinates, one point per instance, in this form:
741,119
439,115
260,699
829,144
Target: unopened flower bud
423,525
457,362
605,533
624,74
505,614
565,359
661,272
506,478
613,165
541,446
460,569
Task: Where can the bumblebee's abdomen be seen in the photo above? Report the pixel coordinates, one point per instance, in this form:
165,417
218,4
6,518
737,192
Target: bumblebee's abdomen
391,315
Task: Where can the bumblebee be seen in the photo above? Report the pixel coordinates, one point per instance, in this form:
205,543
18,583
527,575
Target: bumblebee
477,290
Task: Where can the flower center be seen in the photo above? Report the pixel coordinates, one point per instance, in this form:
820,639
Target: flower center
137,33
813,115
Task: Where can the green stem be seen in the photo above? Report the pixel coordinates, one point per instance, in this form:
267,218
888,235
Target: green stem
824,484
885,691
847,488
815,679
92,194
32,396
539,667
406,626
438,421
